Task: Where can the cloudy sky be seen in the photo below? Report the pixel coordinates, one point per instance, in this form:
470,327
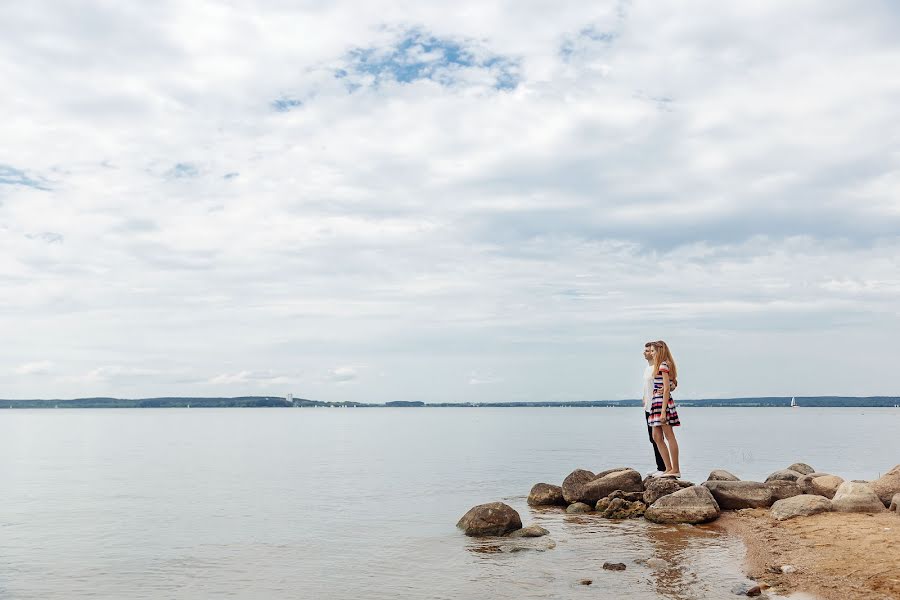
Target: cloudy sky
468,201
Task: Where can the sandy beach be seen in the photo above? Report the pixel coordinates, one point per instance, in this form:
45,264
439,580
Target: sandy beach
837,556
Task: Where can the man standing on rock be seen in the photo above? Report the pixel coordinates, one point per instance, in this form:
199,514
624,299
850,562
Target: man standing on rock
647,397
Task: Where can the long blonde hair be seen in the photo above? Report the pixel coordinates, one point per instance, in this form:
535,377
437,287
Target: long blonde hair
664,354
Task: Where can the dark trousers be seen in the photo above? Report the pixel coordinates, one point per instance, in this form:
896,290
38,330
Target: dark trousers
660,465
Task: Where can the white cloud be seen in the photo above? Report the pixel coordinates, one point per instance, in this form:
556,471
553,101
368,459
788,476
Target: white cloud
41,367
712,173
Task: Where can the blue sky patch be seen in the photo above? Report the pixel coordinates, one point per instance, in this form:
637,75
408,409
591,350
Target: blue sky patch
418,56
13,176
183,171
285,104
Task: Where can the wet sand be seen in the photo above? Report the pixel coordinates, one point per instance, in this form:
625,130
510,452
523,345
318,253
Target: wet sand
838,556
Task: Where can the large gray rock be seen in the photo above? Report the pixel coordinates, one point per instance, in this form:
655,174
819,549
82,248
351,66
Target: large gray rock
819,484
545,494
802,468
690,505
721,475
887,485
657,487
579,487
495,518
574,483
856,496
734,495
800,506
784,475
782,489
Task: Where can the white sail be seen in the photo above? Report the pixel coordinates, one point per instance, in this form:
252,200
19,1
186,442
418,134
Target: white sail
793,402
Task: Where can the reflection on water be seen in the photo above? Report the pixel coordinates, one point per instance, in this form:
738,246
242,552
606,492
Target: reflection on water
681,562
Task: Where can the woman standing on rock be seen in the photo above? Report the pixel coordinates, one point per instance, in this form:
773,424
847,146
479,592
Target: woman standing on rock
663,416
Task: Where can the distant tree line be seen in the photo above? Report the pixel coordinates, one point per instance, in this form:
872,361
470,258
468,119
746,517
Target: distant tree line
275,401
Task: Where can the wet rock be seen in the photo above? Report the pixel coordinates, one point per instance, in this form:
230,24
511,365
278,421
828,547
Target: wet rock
614,566
528,532
584,486
856,496
784,475
800,506
754,591
545,494
802,468
887,485
895,504
578,507
629,496
657,487
782,489
691,505
734,495
586,582
721,475
495,518
615,507
820,484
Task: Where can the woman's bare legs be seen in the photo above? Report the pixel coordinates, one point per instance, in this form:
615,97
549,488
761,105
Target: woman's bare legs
668,433
660,441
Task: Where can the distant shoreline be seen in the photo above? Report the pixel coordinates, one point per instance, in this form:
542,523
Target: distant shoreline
278,402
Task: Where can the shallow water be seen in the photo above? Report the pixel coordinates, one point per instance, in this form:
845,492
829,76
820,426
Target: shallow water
361,503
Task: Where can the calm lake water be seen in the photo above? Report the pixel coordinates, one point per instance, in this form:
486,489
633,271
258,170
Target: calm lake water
362,503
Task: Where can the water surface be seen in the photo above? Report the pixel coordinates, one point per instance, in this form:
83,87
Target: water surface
361,503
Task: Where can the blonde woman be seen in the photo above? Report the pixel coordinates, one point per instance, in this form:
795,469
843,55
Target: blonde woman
663,415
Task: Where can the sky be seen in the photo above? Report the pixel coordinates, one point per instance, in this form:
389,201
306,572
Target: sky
448,202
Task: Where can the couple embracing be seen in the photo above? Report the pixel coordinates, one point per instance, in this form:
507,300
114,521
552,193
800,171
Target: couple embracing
660,378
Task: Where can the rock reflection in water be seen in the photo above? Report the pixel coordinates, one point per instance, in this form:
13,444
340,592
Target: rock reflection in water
679,562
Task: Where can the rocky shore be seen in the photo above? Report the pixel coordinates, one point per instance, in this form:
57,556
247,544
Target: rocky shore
803,529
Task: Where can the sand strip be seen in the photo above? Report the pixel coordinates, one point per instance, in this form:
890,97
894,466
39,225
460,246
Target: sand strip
838,556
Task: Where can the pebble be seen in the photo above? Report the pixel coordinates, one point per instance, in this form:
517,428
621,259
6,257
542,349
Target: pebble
614,566
657,563
788,569
585,582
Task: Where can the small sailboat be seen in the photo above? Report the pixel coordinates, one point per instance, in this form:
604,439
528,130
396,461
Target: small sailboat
793,402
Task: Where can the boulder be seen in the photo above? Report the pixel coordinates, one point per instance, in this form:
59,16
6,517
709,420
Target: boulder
495,518
887,485
691,505
802,468
819,484
721,475
545,494
574,483
782,489
528,532
584,486
734,495
629,496
856,496
619,508
784,475
895,504
657,487
800,506
578,507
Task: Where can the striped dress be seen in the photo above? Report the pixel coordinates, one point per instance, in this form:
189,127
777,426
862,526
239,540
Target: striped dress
656,403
